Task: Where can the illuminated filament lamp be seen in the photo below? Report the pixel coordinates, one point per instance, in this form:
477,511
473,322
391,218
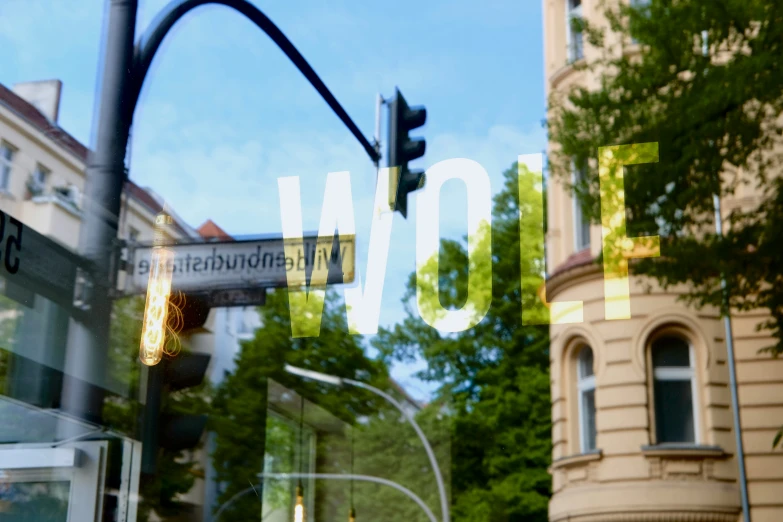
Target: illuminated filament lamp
153,334
299,510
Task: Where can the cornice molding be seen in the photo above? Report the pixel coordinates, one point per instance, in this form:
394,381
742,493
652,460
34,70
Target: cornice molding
572,276
683,451
666,516
574,460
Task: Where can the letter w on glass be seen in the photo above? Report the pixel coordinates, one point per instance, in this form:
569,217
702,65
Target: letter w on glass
306,303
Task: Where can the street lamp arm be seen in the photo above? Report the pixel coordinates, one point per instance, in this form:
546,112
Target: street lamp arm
152,38
444,505
362,478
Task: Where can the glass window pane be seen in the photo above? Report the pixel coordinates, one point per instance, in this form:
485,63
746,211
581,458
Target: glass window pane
671,352
582,224
34,501
588,418
674,411
585,362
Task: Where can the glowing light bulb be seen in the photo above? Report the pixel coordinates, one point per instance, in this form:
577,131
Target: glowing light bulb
299,511
153,333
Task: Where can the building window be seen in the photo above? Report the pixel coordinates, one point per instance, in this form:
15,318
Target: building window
581,222
585,385
245,323
674,390
37,181
6,163
133,235
574,37
639,5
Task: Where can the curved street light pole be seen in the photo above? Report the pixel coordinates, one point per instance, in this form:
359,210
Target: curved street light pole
340,381
123,71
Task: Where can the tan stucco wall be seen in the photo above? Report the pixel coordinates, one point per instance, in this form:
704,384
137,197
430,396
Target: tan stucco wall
625,423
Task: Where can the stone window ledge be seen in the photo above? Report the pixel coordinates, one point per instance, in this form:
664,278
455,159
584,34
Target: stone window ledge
575,460
683,451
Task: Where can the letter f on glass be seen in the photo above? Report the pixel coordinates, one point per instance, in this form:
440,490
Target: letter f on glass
618,248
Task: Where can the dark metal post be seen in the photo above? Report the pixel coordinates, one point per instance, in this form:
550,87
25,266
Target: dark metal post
735,405
85,361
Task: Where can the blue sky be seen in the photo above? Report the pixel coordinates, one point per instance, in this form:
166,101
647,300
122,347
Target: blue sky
223,113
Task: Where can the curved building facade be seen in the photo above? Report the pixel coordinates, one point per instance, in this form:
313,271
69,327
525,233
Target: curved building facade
641,407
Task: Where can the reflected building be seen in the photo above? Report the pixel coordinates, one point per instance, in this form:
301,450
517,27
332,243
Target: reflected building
94,476
641,408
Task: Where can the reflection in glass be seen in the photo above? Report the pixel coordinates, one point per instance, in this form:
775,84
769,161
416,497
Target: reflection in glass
34,501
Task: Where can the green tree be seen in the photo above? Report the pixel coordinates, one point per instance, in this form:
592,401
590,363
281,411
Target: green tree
705,86
495,376
240,406
387,446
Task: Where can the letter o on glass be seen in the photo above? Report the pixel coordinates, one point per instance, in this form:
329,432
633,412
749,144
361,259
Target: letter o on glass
479,200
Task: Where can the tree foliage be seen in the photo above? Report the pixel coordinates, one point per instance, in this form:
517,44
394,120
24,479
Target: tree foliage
495,376
387,446
704,82
240,405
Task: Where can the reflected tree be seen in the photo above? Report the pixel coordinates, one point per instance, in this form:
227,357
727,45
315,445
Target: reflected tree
495,376
240,406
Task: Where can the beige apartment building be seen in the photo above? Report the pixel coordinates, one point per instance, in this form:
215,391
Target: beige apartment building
42,171
641,408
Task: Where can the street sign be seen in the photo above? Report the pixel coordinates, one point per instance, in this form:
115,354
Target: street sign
234,297
244,265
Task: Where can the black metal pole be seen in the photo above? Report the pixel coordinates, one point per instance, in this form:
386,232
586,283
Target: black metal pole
124,70
88,337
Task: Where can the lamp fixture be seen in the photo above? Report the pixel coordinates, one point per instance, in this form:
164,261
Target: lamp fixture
153,333
299,510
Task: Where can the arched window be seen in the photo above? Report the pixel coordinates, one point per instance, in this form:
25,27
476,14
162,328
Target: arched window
581,222
585,386
573,37
674,390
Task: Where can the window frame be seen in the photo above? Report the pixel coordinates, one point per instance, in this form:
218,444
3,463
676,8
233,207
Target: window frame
6,164
38,179
86,480
307,451
677,374
584,385
41,172
637,4
133,234
571,51
580,243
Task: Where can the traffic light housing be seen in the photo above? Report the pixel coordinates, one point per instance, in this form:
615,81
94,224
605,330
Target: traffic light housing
402,149
165,429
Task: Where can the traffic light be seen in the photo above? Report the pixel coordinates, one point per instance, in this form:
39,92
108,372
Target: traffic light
163,428
402,149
